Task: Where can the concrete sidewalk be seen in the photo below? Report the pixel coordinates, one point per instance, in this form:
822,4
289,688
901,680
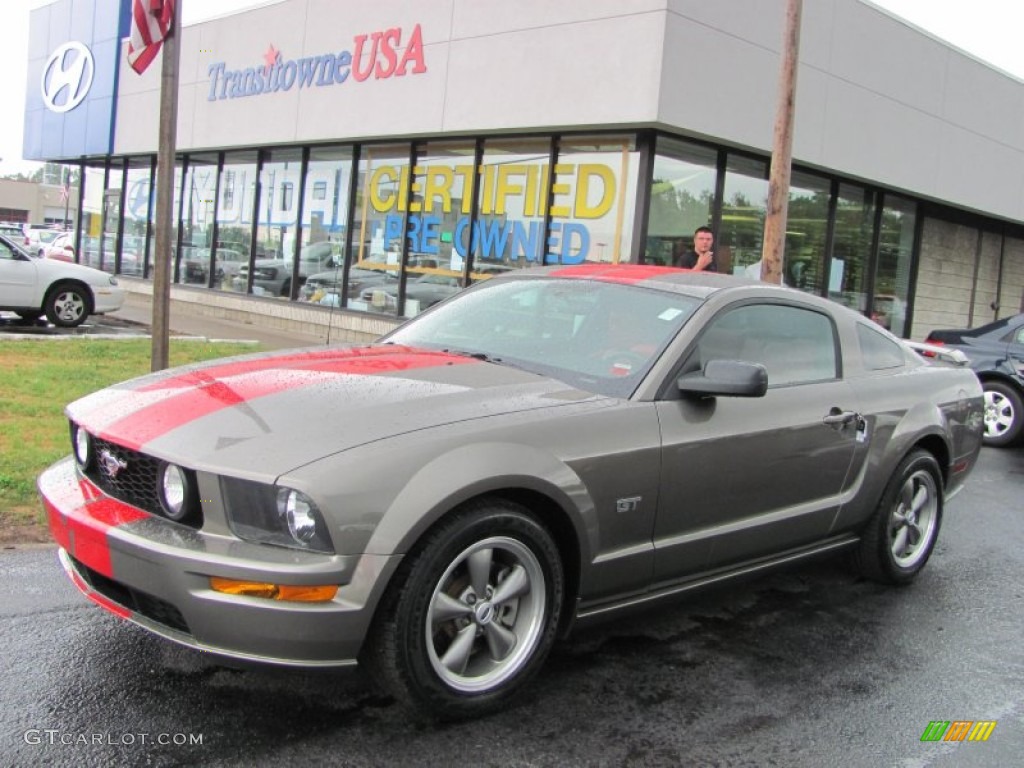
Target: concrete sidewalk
138,310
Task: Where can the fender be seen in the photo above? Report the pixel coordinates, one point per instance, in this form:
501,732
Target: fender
467,472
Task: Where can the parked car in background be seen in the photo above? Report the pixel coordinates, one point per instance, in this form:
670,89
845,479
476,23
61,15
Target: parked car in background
274,276
62,248
66,294
37,238
547,448
996,353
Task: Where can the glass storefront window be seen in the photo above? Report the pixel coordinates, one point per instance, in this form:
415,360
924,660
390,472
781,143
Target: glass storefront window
511,204
138,212
851,246
175,209
199,196
234,214
741,233
806,232
378,227
892,274
324,213
682,198
438,226
90,252
592,201
277,215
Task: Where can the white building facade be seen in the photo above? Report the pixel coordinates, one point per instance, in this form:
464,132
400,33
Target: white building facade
373,158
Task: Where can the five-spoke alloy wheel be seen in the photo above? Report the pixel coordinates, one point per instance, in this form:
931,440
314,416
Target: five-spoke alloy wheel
1004,414
901,535
471,615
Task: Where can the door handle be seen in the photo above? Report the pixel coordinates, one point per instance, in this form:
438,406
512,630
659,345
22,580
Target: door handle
840,418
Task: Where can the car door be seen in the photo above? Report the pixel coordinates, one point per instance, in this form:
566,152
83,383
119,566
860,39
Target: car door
747,477
17,278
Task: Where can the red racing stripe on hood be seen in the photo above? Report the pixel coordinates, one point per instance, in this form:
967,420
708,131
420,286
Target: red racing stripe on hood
198,393
80,517
616,273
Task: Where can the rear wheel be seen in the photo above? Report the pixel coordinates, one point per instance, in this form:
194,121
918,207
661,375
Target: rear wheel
67,305
472,615
1004,414
901,535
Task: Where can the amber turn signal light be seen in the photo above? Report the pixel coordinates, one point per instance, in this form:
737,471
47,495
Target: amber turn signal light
299,594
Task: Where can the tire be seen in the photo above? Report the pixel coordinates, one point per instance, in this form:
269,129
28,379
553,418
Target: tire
901,535
286,288
443,652
1004,414
67,305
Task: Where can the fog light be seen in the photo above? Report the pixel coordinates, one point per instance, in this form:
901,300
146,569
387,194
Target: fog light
81,441
173,491
320,593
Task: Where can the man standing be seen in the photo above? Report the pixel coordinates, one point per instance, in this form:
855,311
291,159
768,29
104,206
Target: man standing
701,258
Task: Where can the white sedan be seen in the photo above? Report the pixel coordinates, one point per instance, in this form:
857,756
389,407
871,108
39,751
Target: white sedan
66,293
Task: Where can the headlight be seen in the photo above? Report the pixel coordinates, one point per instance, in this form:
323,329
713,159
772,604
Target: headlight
178,496
274,515
81,444
113,280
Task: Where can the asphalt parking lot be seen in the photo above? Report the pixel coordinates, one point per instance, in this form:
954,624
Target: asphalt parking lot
98,325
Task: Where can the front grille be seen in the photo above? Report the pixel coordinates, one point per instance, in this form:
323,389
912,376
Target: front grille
135,484
135,481
153,608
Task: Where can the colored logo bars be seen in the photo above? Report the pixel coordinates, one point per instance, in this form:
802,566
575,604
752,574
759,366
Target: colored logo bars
958,730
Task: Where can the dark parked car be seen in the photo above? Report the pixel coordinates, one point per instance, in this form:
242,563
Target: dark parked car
547,448
996,353
274,276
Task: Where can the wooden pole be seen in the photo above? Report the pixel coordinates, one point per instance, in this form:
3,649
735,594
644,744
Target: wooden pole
165,194
782,150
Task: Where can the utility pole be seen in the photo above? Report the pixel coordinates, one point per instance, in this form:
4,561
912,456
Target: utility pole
782,150
165,194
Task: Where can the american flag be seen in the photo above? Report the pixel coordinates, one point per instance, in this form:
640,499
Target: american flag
151,23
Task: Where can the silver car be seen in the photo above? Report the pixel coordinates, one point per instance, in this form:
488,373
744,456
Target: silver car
548,448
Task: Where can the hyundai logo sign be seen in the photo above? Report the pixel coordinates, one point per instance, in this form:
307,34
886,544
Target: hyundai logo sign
67,76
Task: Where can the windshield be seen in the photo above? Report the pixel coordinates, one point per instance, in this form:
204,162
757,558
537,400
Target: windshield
598,336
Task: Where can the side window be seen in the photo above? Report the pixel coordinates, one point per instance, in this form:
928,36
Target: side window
795,345
6,252
877,351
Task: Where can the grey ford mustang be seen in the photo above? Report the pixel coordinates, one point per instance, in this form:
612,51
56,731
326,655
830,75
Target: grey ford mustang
547,448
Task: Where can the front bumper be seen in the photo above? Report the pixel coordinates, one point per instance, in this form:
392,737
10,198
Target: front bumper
107,299
156,574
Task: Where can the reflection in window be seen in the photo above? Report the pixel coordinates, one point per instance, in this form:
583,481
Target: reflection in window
275,229
682,197
234,213
193,264
324,212
139,198
90,253
851,246
892,275
438,227
591,208
806,231
512,200
381,205
741,233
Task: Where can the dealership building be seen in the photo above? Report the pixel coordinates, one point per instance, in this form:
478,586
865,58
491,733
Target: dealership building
361,161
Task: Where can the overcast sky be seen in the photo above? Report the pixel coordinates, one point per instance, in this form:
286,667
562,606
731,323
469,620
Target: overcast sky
988,29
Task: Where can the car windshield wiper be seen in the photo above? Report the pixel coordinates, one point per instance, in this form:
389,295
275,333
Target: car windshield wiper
475,355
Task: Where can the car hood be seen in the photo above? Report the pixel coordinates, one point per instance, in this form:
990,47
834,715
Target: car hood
49,270
263,415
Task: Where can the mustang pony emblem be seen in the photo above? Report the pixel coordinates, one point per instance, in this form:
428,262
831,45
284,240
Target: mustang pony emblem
111,464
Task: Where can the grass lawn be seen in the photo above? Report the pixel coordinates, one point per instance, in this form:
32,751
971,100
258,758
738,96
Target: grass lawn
37,379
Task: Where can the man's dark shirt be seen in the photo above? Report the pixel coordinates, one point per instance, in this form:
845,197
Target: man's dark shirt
689,260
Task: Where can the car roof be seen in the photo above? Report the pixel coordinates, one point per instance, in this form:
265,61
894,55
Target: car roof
683,281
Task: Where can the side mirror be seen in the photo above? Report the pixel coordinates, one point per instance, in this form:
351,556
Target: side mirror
726,378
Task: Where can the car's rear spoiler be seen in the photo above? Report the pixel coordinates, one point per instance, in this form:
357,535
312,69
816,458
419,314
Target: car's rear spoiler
940,353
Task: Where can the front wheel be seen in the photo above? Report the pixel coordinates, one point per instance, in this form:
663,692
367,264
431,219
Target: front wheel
901,535
472,615
1004,414
67,305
